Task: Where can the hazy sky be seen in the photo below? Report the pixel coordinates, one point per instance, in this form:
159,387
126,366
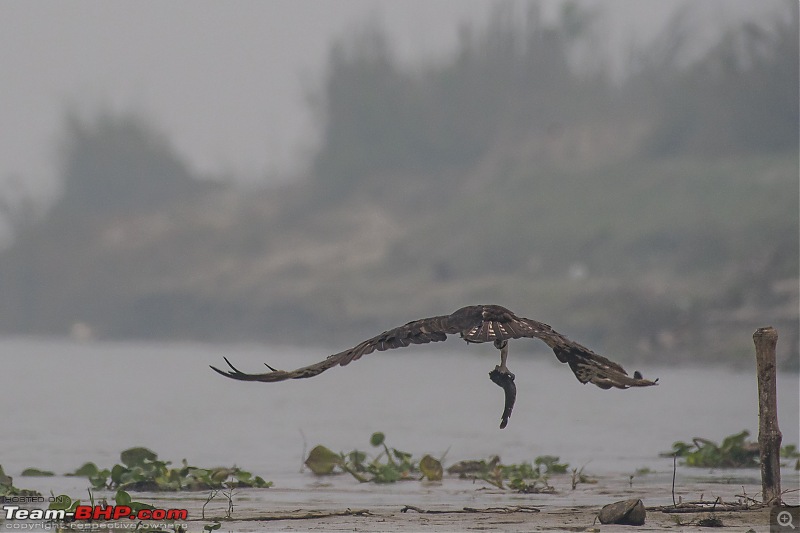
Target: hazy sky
226,81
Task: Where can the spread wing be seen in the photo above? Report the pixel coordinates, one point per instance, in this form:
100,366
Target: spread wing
587,366
434,329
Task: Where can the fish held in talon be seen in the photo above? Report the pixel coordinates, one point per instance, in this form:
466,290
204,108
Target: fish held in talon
506,381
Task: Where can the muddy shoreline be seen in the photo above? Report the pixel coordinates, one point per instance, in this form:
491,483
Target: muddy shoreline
338,503
549,519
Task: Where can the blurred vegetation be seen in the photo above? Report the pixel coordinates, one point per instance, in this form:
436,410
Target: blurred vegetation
117,165
734,452
141,470
7,488
512,83
740,97
529,478
651,215
392,465
508,80
388,466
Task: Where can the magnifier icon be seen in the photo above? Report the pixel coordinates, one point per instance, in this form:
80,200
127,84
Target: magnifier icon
785,519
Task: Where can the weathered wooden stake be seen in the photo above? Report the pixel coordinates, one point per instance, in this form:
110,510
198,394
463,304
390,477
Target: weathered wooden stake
769,435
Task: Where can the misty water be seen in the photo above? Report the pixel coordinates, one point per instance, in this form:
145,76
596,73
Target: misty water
65,403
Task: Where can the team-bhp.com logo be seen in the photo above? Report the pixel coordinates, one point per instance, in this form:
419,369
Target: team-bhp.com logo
97,512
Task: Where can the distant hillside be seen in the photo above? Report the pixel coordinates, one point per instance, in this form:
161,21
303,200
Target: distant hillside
654,220
679,258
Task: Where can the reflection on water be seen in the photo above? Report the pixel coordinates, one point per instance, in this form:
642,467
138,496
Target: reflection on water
66,403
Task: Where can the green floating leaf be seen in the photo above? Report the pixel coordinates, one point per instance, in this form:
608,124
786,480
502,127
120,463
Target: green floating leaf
322,461
550,462
137,456
377,438
138,506
259,482
122,498
212,527
431,468
98,482
219,475
117,473
35,472
86,470
61,502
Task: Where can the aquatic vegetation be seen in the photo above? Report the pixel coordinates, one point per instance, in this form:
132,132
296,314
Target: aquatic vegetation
388,466
85,470
579,477
734,452
67,504
790,451
431,468
392,465
523,477
141,470
123,498
639,472
323,461
542,467
8,489
63,502
35,472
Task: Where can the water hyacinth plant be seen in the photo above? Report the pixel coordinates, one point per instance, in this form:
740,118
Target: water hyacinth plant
141,470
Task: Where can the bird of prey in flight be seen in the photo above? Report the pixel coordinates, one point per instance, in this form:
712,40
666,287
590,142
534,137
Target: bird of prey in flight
475,324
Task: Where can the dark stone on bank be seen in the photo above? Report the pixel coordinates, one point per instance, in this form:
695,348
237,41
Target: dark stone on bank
626,512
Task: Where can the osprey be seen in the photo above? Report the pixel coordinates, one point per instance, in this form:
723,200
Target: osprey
475,324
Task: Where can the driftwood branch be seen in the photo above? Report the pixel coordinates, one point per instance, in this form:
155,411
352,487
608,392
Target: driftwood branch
310,515
769,435
684,508
705,506
498,510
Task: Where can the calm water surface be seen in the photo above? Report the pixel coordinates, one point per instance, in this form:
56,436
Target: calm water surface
66,403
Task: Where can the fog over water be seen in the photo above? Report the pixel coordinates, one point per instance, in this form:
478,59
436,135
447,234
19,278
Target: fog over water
68,403
229,83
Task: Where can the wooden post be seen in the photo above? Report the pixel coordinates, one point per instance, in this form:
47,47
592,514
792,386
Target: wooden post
769,436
